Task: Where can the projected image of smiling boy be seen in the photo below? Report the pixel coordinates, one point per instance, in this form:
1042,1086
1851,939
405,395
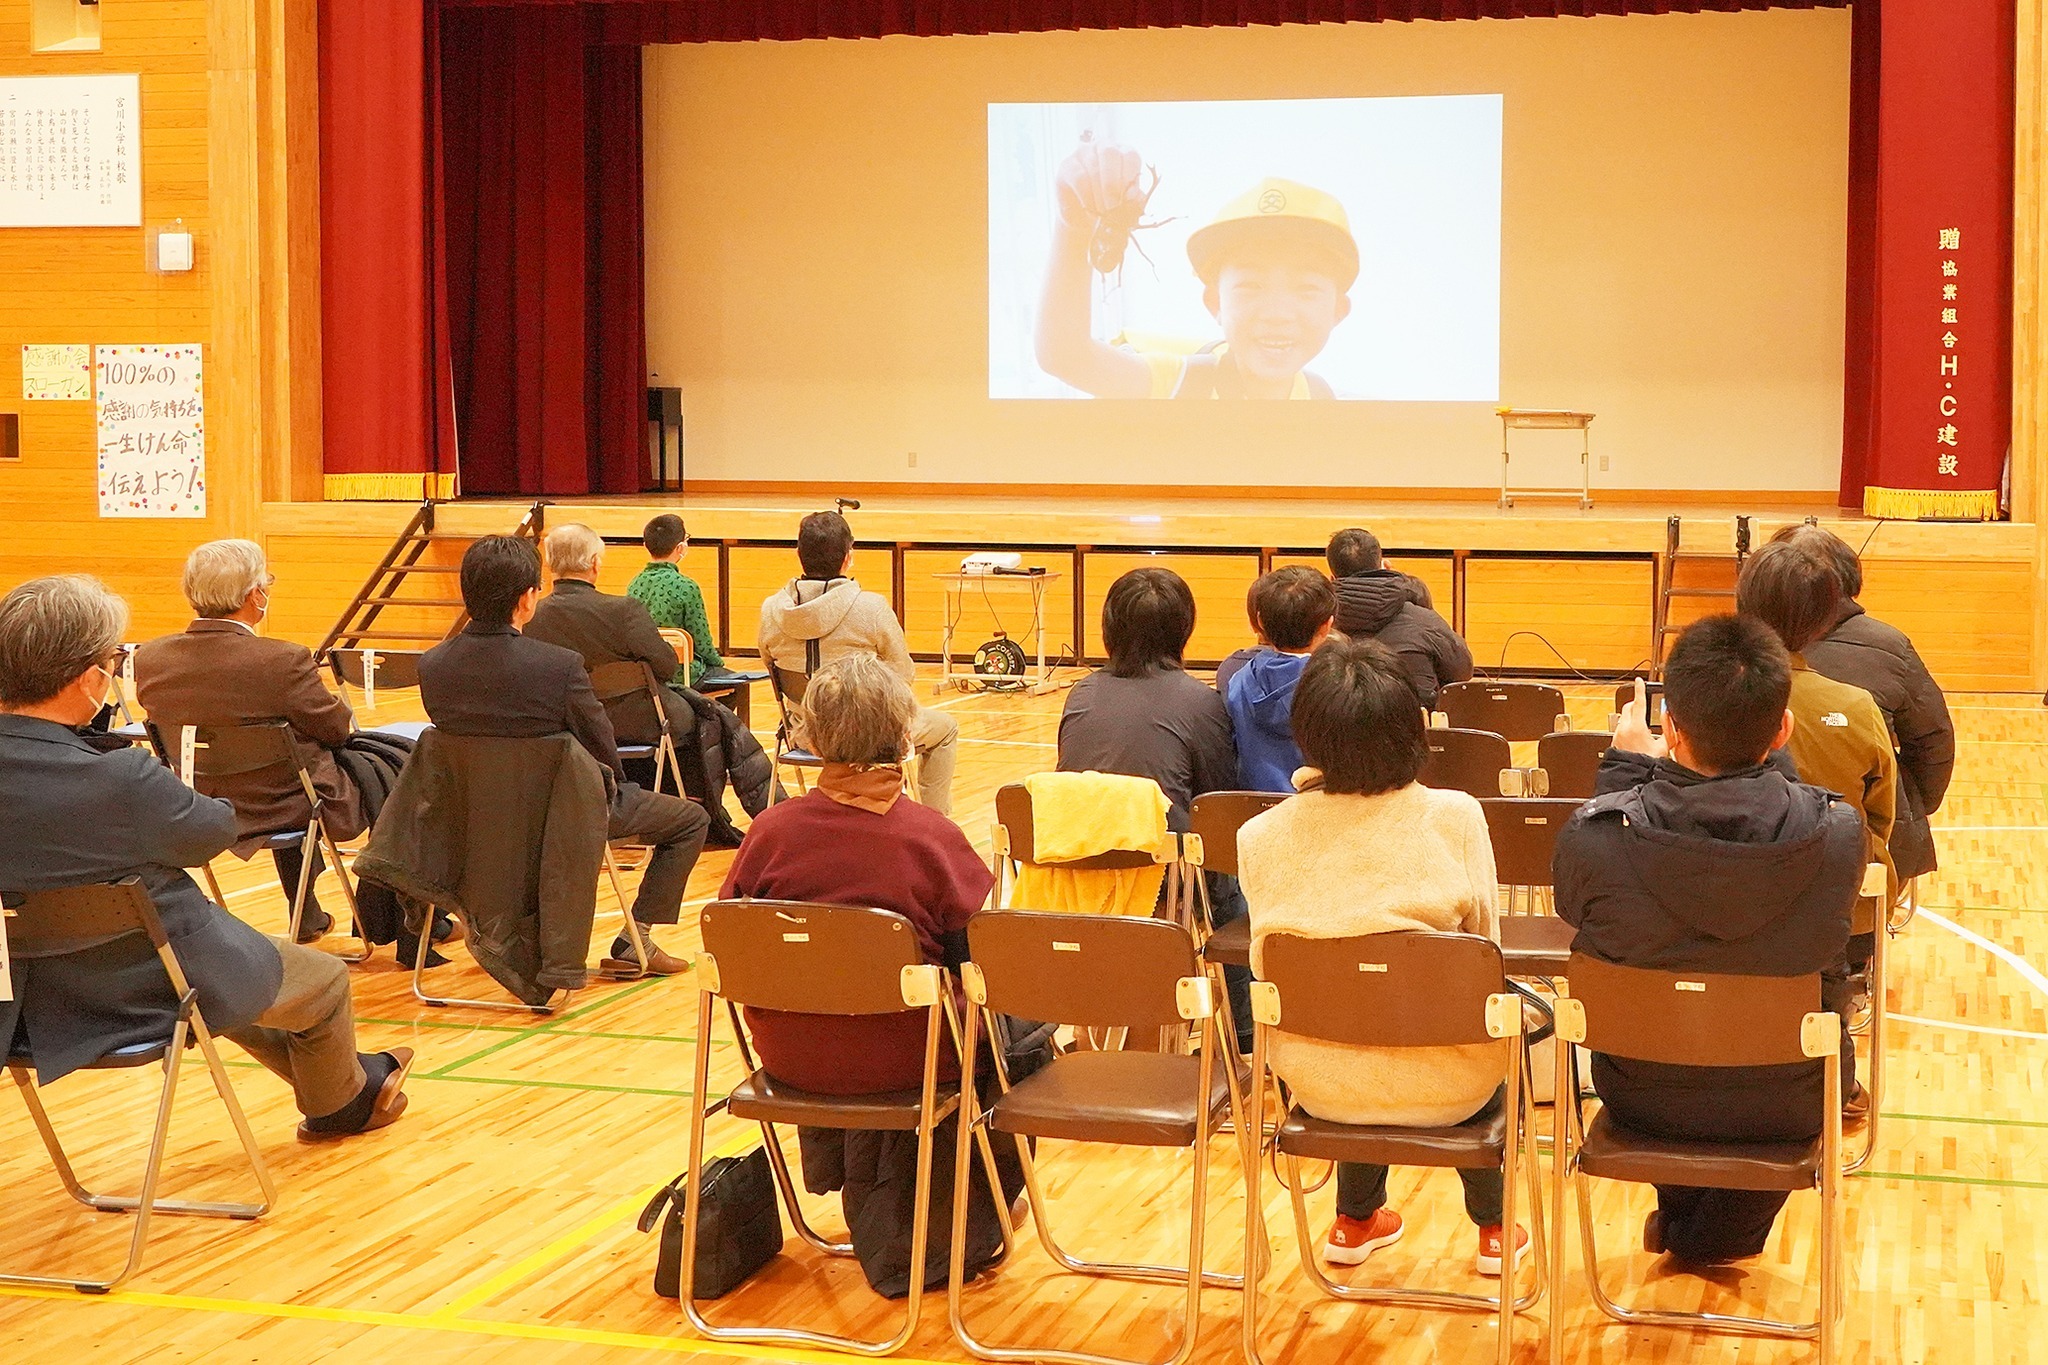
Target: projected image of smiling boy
1276,264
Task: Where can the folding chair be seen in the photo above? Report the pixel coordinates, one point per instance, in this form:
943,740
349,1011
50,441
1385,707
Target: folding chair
823,960
1516,711
1471,761
1702,1020
788,688
1397,990
1014,845
1524,832
1873,916
38,929
213,751
1570,762
1092,971
368,669
623,679
1211,843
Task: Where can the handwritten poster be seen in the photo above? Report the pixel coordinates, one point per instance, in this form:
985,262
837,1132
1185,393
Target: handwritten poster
152,431
55,373
71,151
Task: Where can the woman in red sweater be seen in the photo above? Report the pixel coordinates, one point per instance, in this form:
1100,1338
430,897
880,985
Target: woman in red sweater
856,839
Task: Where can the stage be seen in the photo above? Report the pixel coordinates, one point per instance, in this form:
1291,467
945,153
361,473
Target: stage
1541,589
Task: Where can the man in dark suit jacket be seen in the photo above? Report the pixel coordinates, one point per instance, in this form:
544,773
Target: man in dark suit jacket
492,680
75,816
604,629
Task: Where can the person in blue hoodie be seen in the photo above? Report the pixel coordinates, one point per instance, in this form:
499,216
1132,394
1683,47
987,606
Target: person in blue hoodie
1292,609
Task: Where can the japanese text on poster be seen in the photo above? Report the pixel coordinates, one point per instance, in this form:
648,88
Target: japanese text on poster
70,151
56,373
152,431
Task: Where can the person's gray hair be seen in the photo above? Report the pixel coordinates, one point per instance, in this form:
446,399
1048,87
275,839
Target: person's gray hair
51,631
856,710
220,575
573,549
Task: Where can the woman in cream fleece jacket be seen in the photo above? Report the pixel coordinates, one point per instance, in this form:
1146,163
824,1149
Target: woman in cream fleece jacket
1364,849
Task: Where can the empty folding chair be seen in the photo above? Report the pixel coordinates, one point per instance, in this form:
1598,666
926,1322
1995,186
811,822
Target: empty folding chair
1211,844
1470,761
1093,971
1397,990
42,931
624,679
1698,1020
367,669
1516,711
1524,832
1570,762
826,960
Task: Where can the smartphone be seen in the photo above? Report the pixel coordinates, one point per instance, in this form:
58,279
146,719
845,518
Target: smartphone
1653,693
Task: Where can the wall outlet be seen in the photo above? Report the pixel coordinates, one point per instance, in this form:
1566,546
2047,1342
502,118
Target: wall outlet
913,459
1603,464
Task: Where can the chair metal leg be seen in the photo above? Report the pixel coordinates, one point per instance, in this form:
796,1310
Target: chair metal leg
307,848
213,885
419,991
779,1164
1874,1040
635,933
348,893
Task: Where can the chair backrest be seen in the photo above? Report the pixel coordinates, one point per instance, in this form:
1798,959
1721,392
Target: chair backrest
1216,817
1524,832
809,958
787,684
1515,710
1095,971
1013,813
682,642
1691,1018
369,669
622,679
49,920
1465,760
230,750
1385,990
1571,760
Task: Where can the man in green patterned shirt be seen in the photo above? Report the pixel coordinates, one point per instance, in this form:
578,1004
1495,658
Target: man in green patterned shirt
672,599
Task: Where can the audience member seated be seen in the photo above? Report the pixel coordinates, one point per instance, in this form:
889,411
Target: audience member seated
1366,849
1864,652
221,672
825,615
75,816
1291,611
672,597
1375,602
1699,856
1840,740
492,680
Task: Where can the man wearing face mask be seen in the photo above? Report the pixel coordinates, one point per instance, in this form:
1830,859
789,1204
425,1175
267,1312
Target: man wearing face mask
219,671
73,815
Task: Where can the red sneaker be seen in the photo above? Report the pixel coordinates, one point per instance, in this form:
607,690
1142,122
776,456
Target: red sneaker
1351,1240
1490,1248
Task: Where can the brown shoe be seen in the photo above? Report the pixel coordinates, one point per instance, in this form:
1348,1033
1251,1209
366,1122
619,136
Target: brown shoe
627,968
384,1111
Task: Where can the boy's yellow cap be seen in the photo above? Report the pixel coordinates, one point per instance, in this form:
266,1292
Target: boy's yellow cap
1284,210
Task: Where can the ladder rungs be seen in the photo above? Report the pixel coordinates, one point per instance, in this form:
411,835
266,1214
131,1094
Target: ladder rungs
372,633
424,568
1699,592
412,601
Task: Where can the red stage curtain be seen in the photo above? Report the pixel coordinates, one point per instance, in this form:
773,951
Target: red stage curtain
541,146
385,419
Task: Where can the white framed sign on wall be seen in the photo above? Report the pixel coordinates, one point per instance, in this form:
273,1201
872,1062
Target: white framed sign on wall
71,151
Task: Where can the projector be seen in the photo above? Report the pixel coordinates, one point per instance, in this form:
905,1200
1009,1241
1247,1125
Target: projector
992,561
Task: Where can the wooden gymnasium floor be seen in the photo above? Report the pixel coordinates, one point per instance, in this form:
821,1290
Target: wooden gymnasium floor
494,1222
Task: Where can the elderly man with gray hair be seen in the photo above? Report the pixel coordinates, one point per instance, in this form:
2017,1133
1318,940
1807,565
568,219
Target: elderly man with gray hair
75,816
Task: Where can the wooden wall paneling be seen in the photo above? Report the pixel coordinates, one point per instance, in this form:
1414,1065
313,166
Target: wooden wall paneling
758,572
2030,316
700,562
1971,622
236,362
1596,612
1437,571
1004,603
318,575
288,95
1218,580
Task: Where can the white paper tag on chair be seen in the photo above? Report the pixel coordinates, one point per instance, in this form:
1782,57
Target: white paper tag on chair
188,744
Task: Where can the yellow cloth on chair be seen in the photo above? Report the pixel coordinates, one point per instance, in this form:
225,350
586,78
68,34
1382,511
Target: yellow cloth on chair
1079,815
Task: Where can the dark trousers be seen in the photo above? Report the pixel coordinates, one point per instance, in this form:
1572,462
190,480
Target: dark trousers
1226,903
376,906
1362,1188
676,829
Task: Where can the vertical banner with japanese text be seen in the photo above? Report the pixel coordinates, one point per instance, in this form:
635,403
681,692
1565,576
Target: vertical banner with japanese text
152,431
1944,260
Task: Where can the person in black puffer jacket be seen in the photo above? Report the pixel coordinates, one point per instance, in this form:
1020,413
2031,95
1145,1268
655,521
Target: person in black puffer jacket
1865,652
1706,856
1378,603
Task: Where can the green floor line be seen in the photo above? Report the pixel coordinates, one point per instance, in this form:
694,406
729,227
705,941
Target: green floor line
1964,1118
543,1028
442,1024
1988,1182
593,1086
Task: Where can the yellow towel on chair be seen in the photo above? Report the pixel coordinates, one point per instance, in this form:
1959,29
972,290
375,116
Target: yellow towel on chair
1078,815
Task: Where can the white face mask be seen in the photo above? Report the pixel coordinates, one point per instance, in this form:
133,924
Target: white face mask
107,693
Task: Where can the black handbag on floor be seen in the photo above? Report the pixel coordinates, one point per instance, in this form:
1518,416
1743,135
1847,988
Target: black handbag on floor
739,1226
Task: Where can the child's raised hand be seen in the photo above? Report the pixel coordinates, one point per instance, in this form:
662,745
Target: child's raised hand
1096,180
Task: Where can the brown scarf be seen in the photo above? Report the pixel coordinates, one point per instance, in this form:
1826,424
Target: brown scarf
862,786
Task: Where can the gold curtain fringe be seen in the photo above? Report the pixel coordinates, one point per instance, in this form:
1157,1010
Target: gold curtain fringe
1917,504
389,487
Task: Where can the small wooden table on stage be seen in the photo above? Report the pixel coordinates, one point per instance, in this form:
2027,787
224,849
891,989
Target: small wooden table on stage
1532,945
1040,677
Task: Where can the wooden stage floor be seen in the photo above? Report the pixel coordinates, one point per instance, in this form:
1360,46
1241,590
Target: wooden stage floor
494,1222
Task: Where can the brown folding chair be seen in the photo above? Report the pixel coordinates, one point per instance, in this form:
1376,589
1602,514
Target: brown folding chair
1093,971
369,669
1570,762
1211,843
788,687
1471,761
1516,711
825,960
622,679
1702,1020
1524,832
39,930
1014,846
1396,990
203,752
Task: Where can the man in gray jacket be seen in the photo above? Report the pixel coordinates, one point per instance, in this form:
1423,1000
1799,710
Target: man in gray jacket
825,614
